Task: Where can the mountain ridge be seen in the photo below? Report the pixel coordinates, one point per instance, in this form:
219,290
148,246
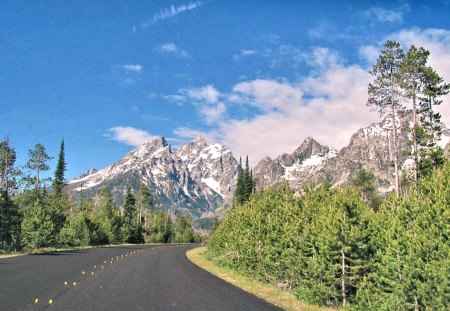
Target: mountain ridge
200,177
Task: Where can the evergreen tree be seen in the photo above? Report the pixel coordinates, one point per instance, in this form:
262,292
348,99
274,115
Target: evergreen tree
431,155
385,93
160,227
183,230
365,183
37,226
131,229
245,183
413,75
59,180
10,219
37,162
106,216
144,204
7,160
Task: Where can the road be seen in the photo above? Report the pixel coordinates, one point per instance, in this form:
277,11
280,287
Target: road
141,277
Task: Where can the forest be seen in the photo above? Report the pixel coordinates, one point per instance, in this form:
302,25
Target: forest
37,213
352,247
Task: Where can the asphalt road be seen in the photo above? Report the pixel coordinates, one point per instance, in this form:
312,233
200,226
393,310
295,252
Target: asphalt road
140,277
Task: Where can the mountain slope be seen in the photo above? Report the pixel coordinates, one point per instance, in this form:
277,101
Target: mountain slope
197,178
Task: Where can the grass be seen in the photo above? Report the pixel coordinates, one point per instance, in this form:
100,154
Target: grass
281,298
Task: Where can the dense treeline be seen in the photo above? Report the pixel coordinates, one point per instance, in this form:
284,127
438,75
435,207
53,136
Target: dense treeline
332,248
349,247
36,214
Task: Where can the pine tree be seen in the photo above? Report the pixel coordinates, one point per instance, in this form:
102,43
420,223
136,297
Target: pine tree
106,216
431,155
37,161
413,75
59,180
7,160
365,183
144,204
183,230
160,227
385,92
37,226
131,229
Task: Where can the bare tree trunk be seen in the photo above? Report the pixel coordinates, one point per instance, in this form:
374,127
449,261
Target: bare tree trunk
396,161
344,298
415,151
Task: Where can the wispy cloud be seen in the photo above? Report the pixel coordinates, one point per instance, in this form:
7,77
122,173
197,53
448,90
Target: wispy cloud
132,68
383,15
129,135
172,11
126,74
244,53
206,99
152,118
171,48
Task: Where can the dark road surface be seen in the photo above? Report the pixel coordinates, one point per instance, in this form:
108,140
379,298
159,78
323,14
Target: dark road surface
146,278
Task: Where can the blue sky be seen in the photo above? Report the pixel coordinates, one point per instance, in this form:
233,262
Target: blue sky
260,76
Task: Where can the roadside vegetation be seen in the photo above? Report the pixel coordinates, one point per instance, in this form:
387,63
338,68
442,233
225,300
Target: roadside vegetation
349,247
38,213
279,297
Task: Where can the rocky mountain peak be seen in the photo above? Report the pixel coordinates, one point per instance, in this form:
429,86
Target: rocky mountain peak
308,148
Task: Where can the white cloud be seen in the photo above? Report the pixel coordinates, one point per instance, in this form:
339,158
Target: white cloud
173,11
268,95
245,53
369,54
213,113
132,68
207,93
328,105
171,48
383,15
205,99
127,74
129,135
189,133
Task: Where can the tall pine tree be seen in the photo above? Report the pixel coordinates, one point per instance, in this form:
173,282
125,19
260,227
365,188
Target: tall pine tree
59,180
385,93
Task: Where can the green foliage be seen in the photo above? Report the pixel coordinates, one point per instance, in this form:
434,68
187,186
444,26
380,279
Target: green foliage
37,162
159,228
245,184
59,180
132,231
183,230
365,183
106,216
37,226
10,219
331,248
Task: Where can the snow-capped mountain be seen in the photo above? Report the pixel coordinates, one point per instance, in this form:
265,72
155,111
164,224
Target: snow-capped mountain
200,177
197,178
369,148
295,168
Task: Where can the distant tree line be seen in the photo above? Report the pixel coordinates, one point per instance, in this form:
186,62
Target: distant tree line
37,212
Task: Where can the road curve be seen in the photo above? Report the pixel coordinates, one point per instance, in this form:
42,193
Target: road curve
141,277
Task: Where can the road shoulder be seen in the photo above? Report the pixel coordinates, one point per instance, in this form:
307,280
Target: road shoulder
281,298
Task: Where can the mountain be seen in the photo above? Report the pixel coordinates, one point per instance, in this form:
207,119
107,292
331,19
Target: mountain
296,168
369,148
200,177
197,178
